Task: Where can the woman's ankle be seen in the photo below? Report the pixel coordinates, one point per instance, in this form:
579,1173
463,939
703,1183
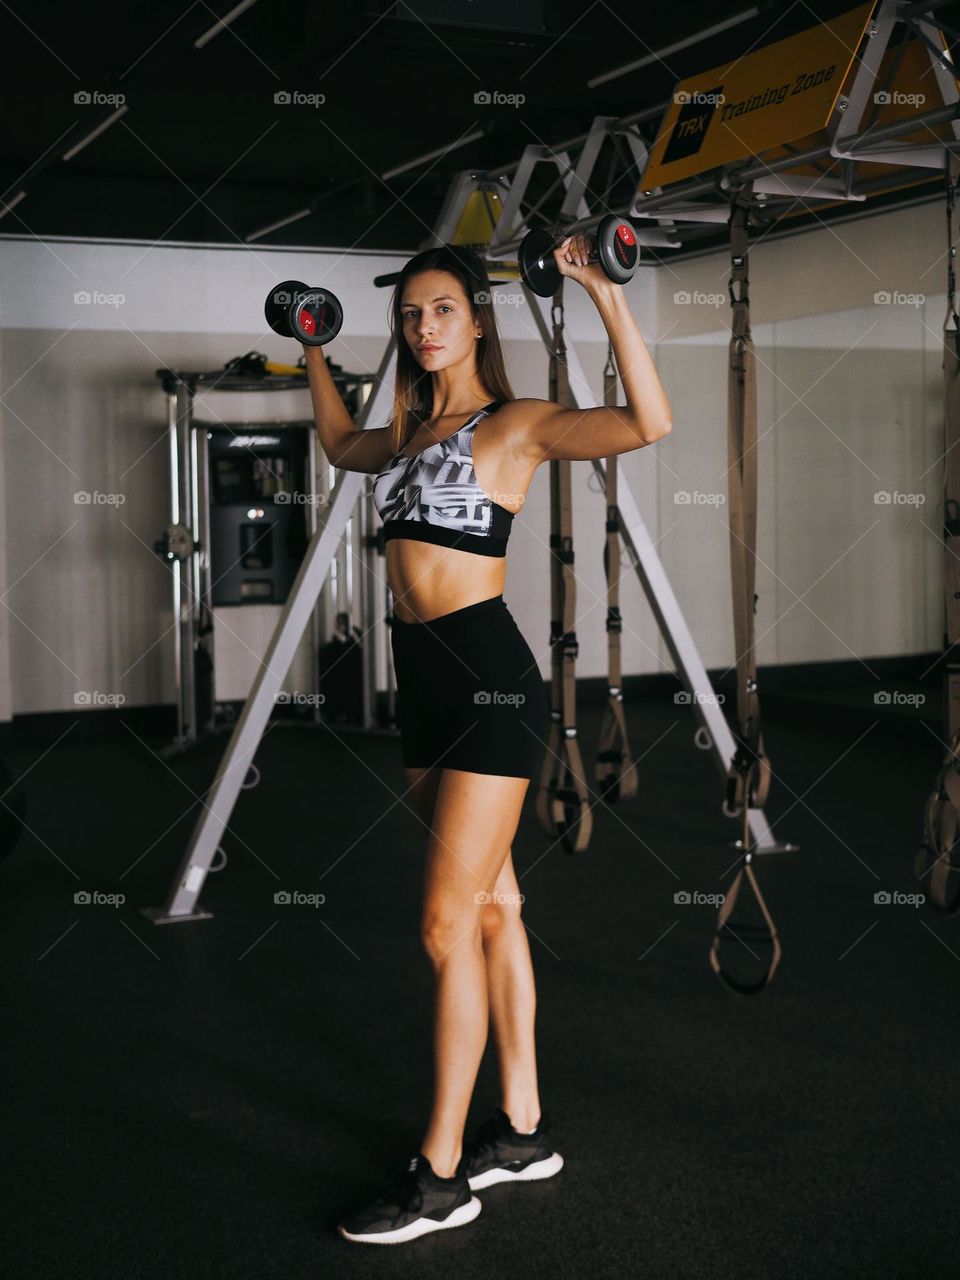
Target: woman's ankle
525,1117
442,1165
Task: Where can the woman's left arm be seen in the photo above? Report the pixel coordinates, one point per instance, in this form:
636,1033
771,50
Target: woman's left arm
546,431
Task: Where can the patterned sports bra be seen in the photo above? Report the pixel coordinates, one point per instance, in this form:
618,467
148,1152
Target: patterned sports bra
434,496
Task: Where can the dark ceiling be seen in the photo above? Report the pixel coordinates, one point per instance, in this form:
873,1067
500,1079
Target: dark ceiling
205,153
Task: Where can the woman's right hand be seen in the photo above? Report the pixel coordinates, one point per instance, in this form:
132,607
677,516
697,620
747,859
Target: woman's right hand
572,257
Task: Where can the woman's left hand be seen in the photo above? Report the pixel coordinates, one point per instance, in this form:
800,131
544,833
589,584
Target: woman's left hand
572,259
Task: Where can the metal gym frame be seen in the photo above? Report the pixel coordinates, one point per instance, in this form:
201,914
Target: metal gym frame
670,211
185,544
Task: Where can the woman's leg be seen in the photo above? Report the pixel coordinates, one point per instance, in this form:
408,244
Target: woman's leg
512,999
422,785
475,819
511,988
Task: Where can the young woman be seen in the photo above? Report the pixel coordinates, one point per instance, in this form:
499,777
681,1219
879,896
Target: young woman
452,470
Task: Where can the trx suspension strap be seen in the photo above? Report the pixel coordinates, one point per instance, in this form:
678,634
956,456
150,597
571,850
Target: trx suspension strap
616,772
748,777
937,852
563,806
742,931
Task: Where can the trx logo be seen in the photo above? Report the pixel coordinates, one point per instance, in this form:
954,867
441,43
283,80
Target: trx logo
693,121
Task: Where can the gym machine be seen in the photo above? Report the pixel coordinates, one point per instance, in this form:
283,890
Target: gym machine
244,502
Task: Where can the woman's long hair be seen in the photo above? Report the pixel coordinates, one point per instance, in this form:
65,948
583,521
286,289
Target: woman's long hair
413,389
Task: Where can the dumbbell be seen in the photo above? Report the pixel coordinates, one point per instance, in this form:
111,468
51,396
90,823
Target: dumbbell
312,316
616,251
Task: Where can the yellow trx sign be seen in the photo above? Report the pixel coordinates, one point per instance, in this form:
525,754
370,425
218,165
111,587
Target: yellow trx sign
775,95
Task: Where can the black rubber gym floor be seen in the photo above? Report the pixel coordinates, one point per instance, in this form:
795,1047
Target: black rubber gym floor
204,1099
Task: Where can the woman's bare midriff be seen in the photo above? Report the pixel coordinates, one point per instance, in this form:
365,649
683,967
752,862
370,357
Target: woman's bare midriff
428,580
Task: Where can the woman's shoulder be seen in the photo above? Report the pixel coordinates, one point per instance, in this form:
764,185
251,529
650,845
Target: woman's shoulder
514,424
518,415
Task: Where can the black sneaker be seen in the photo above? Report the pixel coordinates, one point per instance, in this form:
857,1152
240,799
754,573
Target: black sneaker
419,1201
500,1154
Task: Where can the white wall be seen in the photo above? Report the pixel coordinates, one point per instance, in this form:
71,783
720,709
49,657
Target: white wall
849,404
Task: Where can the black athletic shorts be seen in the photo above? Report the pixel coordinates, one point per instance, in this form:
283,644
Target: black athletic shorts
469,692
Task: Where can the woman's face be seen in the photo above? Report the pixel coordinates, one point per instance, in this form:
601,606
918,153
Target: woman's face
438,322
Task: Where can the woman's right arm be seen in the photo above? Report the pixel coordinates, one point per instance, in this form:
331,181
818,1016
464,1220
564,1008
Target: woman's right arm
343,445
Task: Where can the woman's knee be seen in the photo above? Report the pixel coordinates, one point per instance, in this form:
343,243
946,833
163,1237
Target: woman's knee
444,928
501,913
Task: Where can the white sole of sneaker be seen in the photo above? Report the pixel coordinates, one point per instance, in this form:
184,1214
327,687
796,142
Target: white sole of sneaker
532,1173
421,1227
